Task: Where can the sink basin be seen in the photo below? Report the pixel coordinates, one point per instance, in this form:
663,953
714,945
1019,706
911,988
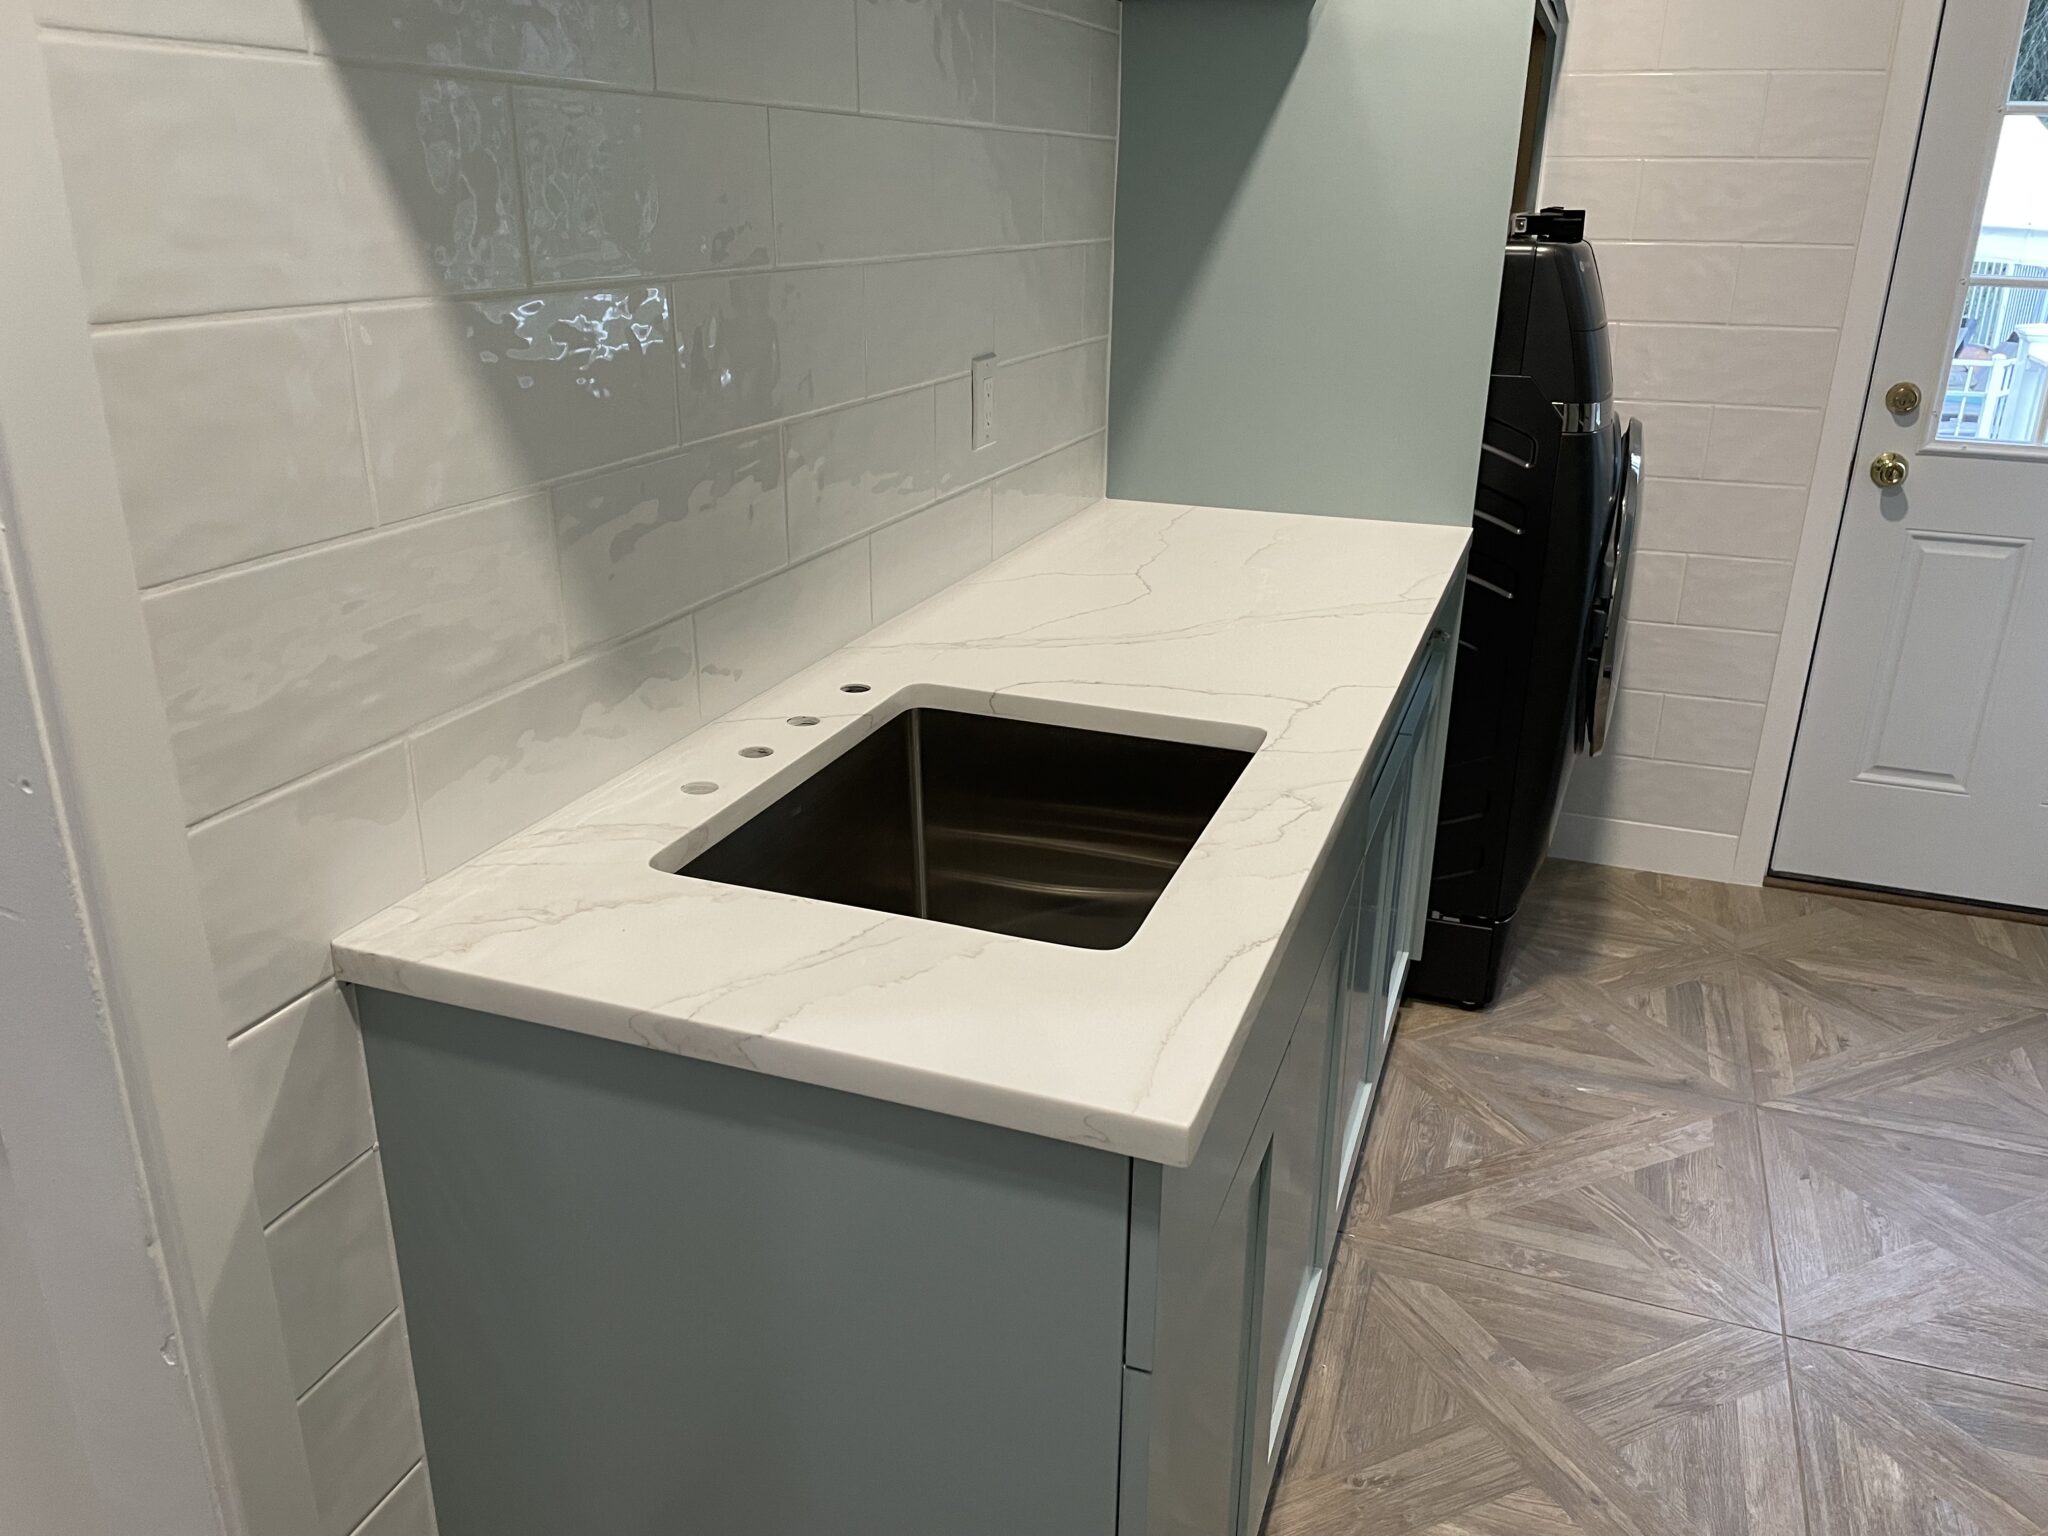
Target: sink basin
1047,832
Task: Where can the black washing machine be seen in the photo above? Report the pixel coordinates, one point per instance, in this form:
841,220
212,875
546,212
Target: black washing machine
1553,530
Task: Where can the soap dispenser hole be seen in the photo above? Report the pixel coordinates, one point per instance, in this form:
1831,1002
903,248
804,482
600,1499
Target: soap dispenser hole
803,719
757,751
853,688
700,787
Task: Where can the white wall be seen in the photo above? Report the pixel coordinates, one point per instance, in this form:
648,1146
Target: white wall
497,391
1724,152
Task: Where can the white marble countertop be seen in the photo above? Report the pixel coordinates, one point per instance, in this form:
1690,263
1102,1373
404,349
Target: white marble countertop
1227,627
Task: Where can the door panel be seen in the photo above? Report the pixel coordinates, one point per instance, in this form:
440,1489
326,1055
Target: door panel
1923,743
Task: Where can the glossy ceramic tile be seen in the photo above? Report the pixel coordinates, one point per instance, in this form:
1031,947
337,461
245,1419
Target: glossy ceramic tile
1701,517
1794,284
333,1266
468,400
630,186
232,439
643,544
1748,34
274,670
1098,13
849,187
1666,281
1676,434
1080,189
1657,114
1721,732
1041,403
1719,663
1663,794
928,58
268,23
930,550
202,181
299,1078
1655,583
929,319
501,766
408,1510
1046,492
1615,35
1825,115
1725,364
280,877
760,347
756,638
1633,731
1816,202
854,469
1051,73
798,52
1763,445
601,40
361,1424
1735,594
1606,189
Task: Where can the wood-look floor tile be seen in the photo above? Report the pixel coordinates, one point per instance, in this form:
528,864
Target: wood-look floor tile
1902,1450
1923,1248
1448,1398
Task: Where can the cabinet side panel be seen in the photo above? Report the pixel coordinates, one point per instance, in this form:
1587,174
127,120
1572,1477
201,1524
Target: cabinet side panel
654,1294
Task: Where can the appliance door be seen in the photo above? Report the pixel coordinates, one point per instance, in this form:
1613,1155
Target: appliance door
1607,625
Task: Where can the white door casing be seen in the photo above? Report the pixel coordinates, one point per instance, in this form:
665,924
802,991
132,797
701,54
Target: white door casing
1922,756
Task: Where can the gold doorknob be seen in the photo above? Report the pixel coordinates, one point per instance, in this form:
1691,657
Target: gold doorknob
1902,399
1889,470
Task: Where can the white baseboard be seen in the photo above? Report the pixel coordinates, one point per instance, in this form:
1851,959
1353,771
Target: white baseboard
1640,845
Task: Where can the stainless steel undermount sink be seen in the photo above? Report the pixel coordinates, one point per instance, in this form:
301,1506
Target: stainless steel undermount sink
1048,832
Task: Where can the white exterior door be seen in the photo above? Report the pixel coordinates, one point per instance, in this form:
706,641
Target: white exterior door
1922,757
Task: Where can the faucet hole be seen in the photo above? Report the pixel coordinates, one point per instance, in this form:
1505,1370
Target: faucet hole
853,688
757,751
803,719
700,787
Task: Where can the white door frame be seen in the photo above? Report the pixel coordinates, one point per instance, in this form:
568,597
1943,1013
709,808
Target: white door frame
1884,215
130,1163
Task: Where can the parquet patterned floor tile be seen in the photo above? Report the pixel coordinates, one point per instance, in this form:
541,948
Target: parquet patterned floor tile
1557,1304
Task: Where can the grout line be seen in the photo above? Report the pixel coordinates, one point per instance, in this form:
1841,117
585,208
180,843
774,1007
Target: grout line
291,1002
1806,1515
355,395
313,1193
2032,1388
419,818
390,1493
354,1350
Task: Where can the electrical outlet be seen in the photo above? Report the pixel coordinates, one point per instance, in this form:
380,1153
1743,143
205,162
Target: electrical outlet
984,385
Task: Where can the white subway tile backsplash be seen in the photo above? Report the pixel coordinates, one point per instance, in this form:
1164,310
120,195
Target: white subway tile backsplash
1614,35
1656,582
854,469
280,877
1731,593
299,1078
754,639
1098,13
1039,495
215,181
1675,435
797,52
1606,189
265,23
1660,793
1704,517
1720,733
1043,300
462,401
1762,444
1724,364
1814,202
928,58
1051,73
336,1275
1827,114
232,439
1765,34
849,187
643,544
1041,403
273,670
1633,730
931,550
362,1428
598,40
1665,113
929,319
1647,281
408,1510
637,186
1794,284
766,345
502,765
1080,189
1714,663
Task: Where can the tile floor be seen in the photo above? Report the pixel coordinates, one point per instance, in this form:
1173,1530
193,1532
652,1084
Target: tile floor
1729,1219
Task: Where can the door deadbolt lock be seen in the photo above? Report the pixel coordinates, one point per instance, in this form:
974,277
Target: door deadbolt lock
1902,399
1889,470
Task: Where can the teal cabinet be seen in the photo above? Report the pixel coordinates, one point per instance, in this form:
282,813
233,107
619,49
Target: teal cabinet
649,1294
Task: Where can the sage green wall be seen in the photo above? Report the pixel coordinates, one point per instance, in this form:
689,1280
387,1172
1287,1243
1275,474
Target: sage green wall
1311,204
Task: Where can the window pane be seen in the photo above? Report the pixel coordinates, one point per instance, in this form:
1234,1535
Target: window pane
2013,241
1998,377
2030,74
